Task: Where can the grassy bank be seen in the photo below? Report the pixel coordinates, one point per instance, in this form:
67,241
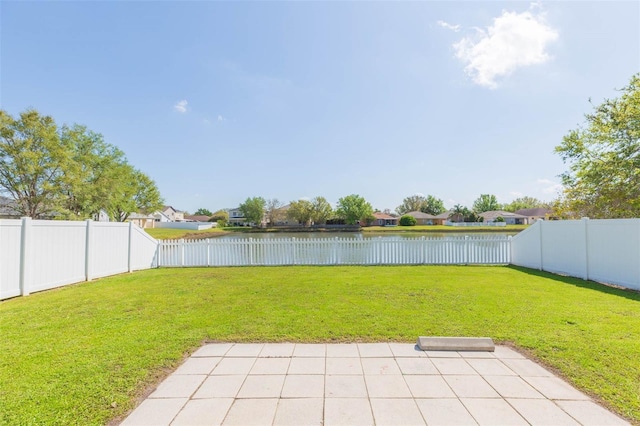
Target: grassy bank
176,234
443,228
83,354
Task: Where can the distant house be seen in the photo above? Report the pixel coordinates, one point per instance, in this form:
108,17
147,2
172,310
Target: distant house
383,219
8,209
236,218
509,218
142,220
197,218
535,214
173,214
447,216
422,218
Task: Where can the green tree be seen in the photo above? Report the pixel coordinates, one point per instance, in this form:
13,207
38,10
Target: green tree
253,209
420,203
407,220
603,180
413,203
354,208
203,212
485,203
301,211
458,213
133,192
221,217
321,210
433,205
33,162
91,173
525,203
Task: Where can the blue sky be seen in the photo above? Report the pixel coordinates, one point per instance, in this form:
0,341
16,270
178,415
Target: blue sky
220,101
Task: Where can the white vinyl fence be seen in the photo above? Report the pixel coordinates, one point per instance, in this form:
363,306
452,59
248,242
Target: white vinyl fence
604,250
39,255
335,251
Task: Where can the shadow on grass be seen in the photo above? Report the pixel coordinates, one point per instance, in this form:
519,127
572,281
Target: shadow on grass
578,282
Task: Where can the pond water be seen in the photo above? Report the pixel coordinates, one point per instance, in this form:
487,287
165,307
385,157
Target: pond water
359,235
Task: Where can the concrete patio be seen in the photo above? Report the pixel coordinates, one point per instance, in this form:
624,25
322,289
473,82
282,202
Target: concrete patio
363,384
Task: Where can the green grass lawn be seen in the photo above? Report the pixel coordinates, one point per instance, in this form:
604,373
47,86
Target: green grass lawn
85,353
176,234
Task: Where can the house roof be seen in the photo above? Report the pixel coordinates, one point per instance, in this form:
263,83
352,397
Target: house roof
541,211
165,208
444,215
493,214
197,218
380,215
421,215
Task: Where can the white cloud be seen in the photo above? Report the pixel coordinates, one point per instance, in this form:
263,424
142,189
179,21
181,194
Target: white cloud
549,186
516,194
515,40
448,26
221,118
181,106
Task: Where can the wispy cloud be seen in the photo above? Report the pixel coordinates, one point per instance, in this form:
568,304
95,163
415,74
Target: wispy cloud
549,186
449,26
221,118
516,194
513,41
181,106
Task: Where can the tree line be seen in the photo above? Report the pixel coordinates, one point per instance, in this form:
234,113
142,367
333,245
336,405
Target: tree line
354,208
350,209
68,172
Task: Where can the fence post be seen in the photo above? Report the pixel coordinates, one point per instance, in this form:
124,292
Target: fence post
87,251
466,249
541,223
182,252
585,221
293,247
24,253
510,251
250,251
130,248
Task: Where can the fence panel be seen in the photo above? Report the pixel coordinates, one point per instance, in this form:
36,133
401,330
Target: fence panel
144,250
38,255
613,252
10,232
335,251
109,249
55,254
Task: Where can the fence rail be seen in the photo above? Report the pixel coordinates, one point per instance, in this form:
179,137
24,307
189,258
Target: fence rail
335,251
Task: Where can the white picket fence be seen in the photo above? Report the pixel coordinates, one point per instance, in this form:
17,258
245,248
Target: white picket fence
38,255
604,250
335,251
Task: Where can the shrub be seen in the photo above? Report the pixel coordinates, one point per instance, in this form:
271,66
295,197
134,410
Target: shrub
407,220
499,219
